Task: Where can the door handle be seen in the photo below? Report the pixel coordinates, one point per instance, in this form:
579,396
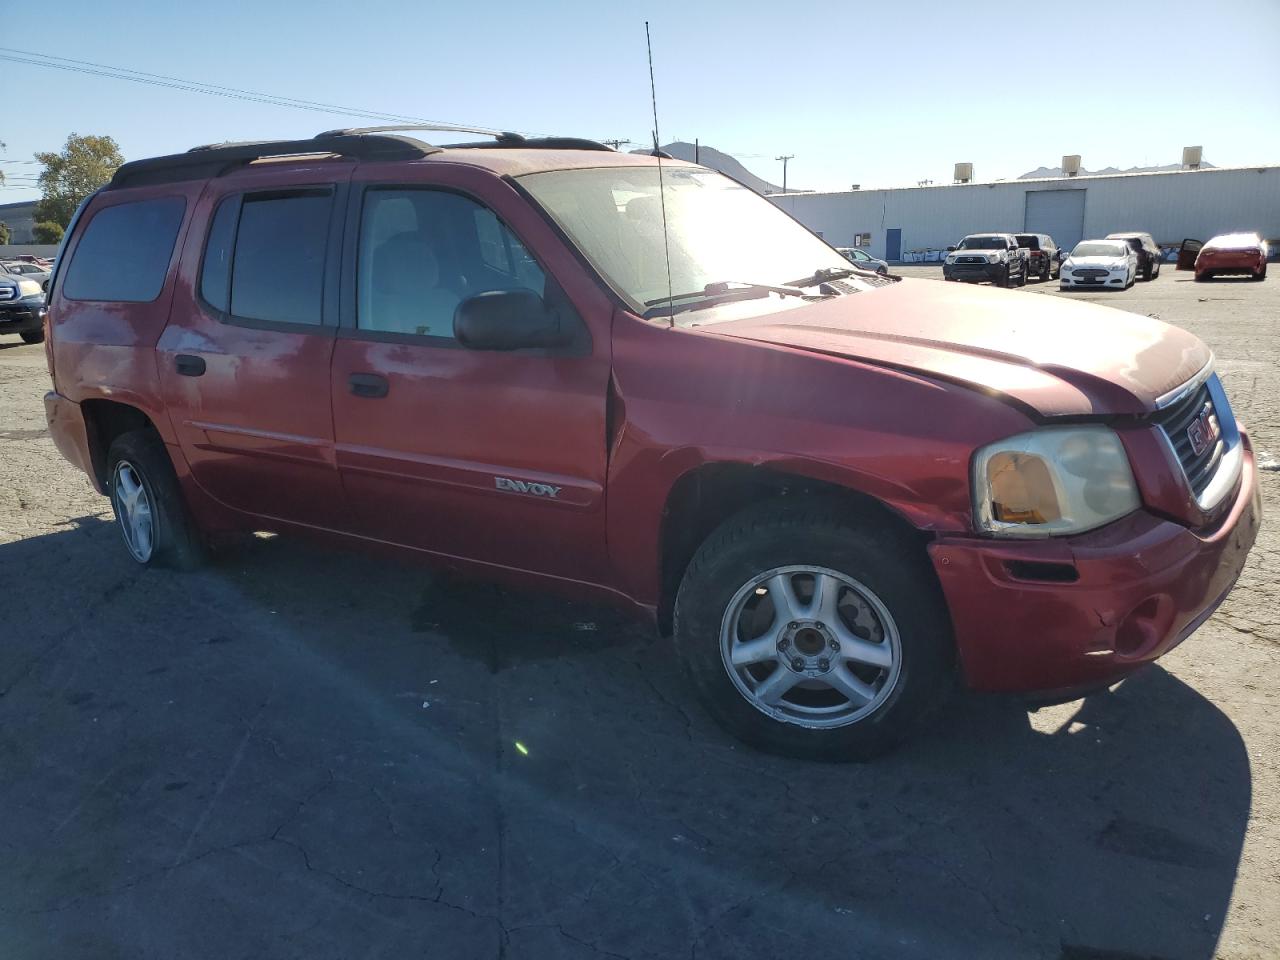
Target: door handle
189,366
368,385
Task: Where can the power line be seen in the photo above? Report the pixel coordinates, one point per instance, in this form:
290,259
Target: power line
91,68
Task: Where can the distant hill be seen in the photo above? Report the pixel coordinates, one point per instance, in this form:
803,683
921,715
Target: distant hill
1040,173
713,158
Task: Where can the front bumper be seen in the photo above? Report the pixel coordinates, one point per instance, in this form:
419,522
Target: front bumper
973,272
1114,278
1142,585
20,316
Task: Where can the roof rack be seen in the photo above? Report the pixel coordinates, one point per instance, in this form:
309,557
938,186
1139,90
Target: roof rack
502,138
213,159
363,143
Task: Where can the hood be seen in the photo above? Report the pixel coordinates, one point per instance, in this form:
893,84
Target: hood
1056,356
1119,260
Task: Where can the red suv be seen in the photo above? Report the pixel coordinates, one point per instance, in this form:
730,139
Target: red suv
622,377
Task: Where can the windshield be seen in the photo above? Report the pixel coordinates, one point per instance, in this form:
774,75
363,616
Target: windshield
983,243
717,230
1092,248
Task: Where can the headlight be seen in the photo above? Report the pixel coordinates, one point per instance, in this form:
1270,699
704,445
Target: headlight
993,257
28,288
1052,481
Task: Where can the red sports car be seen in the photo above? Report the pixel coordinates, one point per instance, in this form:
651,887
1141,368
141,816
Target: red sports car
1233,253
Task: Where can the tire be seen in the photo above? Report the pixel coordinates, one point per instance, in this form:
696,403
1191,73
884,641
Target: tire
1022,276
1045,274
1261,274
32,336
1202,277
1003,279
1147,273
868,564
140,475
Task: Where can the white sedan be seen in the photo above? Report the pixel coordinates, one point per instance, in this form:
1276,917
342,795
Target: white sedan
1100,263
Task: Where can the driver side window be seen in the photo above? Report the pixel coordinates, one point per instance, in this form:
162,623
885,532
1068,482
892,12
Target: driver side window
422,252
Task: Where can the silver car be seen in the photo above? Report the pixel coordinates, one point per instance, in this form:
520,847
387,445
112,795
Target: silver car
863,260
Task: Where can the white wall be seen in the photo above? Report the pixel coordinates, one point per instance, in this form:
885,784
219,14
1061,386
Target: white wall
1169,206
8,250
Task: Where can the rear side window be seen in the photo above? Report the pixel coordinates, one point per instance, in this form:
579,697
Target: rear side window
277,267
123,254
215,274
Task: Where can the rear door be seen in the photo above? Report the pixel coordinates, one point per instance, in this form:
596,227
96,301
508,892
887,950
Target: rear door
245,359
491,457
1187,254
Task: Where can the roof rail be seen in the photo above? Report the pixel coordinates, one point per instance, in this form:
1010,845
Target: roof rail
214,159
503,138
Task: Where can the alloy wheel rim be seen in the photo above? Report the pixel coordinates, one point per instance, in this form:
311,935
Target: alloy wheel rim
133,510
810,646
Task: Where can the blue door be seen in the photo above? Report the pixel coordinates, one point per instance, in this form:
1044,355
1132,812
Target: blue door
893,244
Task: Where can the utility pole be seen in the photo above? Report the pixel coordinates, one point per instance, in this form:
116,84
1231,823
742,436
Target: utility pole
790,156
617,144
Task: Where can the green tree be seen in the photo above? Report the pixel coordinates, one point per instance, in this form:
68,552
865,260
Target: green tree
5,233
1,171
85,164
47,232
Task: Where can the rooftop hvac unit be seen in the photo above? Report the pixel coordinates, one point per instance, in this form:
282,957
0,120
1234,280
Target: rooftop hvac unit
1191,157
1071,165
964,173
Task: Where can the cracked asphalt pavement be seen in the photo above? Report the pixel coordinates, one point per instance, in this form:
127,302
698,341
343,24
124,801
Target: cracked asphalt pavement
301,752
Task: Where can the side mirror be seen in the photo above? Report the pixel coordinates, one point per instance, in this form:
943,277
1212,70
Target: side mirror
506,320
950,249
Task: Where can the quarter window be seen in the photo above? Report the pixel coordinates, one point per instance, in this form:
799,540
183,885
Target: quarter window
124,253
422,252
215,274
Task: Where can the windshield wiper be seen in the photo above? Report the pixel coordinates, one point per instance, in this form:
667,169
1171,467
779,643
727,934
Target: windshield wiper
714,293
825,274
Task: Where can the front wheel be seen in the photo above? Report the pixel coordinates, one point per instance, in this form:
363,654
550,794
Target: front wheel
150,512
32,336
1261,274
811,633
1003,279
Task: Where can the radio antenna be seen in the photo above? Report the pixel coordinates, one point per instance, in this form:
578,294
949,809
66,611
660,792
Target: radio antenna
662,193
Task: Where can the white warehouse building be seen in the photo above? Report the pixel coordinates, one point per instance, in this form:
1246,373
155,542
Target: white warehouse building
917,223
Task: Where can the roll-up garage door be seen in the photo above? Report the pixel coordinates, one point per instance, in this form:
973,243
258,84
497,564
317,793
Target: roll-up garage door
1059,213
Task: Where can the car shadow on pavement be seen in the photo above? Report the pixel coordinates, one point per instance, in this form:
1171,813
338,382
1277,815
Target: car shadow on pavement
307,752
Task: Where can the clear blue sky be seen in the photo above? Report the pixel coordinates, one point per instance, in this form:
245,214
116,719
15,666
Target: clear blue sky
877,93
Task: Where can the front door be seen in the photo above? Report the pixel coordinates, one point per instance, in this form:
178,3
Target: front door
893,244
491,457
1187,254
244,362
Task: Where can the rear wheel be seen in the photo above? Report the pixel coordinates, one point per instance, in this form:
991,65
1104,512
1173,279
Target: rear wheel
150,512
1261,274
811,633
1146,272
1022,276
1203,276
32,336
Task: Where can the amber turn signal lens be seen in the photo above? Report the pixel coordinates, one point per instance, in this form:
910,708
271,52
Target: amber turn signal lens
1022,489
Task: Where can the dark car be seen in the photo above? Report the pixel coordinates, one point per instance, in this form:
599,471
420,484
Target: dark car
21,306
1147,250
843,494
987,256
1043,256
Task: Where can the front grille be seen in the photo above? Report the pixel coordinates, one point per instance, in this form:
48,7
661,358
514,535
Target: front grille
1091,272
971,259
1176,420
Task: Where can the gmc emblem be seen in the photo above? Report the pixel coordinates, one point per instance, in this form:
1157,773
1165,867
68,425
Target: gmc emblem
1202,432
